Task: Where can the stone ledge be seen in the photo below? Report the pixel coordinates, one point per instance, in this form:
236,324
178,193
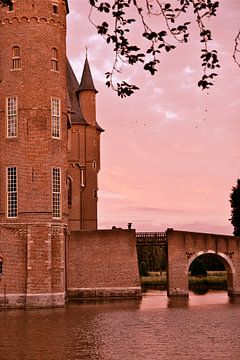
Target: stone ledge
45,300
100,293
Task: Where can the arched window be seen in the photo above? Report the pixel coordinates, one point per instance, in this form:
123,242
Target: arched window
94,165
16,57
69,188
55,65
55,9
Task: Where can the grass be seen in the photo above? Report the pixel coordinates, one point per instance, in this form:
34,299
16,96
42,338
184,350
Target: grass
214,280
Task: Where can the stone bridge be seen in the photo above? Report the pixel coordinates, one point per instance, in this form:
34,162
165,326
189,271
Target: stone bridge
184,247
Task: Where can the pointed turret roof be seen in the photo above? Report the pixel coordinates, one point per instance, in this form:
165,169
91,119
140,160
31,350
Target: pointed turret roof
87,81
72,87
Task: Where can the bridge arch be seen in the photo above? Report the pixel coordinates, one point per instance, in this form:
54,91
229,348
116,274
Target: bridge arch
226,260
184,247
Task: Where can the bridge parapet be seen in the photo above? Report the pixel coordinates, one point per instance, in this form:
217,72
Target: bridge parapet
151,239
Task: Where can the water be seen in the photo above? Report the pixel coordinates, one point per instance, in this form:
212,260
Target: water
207,328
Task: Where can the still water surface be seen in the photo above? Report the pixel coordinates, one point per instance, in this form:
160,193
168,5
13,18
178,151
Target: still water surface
207,328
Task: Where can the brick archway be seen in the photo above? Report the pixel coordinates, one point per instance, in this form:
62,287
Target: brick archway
226,260
184,247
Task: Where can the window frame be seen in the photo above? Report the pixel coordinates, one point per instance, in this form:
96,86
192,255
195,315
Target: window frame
55,6
14,115
54,60
56,119
11,199
56,193
16,59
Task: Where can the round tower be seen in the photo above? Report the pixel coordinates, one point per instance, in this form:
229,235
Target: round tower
33,138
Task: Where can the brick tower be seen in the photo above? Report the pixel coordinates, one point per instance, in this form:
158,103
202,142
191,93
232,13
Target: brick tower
84,156
33,152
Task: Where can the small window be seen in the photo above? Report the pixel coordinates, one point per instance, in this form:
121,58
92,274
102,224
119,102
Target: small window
56,193
1,266
55,111
94,165
12,115
16,58
94,193
69,188
55,9
12,192
54,61
10,6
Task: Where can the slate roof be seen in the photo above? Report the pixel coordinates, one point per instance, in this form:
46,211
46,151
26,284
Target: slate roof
72,87
87,81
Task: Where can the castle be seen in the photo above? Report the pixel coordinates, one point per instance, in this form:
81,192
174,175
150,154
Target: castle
50,248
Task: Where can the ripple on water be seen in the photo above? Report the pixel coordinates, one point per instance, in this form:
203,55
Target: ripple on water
206,328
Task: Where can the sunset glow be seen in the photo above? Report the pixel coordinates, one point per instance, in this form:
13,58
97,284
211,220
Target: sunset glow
170,153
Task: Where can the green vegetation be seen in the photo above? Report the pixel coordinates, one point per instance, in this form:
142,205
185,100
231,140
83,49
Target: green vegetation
154,257
214,280
235,205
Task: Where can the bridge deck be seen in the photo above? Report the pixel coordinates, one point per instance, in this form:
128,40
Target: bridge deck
151,239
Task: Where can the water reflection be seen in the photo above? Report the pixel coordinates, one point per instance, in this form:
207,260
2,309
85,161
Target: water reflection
154,328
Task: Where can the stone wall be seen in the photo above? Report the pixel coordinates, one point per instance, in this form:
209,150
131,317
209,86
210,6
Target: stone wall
102,263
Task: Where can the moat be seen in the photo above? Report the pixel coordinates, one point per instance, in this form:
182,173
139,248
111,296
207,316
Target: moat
205,328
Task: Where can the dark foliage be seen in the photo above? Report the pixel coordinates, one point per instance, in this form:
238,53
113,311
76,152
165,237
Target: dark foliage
153,256
143,269
235,205
172,29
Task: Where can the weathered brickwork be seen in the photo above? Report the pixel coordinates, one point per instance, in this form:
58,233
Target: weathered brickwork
184,247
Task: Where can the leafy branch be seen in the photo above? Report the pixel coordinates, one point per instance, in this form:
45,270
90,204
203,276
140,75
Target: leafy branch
161,40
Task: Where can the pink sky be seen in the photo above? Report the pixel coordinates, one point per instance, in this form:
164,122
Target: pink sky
170,153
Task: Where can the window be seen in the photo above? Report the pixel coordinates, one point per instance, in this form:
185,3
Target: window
56,192
55,9
16,58
12,192
10,6
94,165
69,188
54,61
55,109
12,114
1,266
94,194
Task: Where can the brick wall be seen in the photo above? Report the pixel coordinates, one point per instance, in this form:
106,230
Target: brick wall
184,247
102,263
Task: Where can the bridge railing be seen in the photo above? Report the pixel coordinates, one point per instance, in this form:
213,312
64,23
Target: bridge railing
151,238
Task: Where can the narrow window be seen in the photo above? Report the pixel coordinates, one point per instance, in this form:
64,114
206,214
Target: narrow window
1,266
55,9
55,109
10,6
94,165
54,61
12,192
94,194
12,115
16,58
56,192
69,188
